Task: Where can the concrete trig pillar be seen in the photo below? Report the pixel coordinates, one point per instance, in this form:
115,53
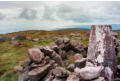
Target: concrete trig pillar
101,51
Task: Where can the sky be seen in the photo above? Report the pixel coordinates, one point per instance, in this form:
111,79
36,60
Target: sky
49,15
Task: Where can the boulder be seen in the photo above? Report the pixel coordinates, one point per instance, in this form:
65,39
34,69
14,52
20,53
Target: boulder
54,47
73,77
74,43
71,67
59,41
38,73
3,39
62,53
89,73
57,58
59,79
99,79
47,51
80,63
35,55
20,37
60,72
49,77
66,40
27,64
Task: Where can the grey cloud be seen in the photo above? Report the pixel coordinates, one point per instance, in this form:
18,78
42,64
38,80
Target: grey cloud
2,16
48,12
28,14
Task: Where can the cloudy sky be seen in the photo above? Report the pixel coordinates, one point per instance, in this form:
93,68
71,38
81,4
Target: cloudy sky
17,16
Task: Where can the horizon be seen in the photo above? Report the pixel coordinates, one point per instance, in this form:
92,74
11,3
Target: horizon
77,27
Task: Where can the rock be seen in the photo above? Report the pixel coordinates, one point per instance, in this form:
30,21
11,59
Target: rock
71,67
73,77
100,79
57,58
47,59
74,35
80,63
47,51
54,47
63,54
89,73
60,72
36,39
3,39
49,77
20,37
74,43
15,42
59,79
78,56
35,55
59,41
38,73
66,40
27,64
18,68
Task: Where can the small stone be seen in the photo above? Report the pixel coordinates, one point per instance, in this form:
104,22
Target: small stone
15,42
78,56
36,39
18,68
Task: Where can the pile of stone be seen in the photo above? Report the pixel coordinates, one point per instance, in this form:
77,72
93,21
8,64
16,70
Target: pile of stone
45,63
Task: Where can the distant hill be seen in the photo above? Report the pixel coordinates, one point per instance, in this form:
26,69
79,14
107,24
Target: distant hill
85,27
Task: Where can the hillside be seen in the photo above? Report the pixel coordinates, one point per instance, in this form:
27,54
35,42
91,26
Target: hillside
15,53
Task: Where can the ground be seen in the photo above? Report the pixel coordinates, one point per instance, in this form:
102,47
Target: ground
13,55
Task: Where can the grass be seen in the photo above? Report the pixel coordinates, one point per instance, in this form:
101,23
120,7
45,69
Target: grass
11,55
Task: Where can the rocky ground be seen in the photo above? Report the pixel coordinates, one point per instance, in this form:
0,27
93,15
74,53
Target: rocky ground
53,60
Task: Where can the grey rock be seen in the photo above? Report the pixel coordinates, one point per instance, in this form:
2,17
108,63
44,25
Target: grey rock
5,38
73,77
71,67
20,37
60,72
18,68
80,63
35,55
